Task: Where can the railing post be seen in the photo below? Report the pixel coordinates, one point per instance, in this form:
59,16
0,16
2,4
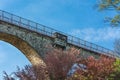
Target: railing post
36,27
11,18
102,50
19,21
28,24
44,29
79,42
84,43
95,48
51,32
72,39
90,46
2,17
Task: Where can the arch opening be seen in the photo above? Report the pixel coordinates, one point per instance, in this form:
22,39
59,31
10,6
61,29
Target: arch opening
10,58
24,47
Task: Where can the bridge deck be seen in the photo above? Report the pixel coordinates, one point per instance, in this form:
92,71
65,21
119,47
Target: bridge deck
39,28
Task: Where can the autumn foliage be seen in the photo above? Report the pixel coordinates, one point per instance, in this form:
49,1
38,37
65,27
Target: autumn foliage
28,73
97,69
59,63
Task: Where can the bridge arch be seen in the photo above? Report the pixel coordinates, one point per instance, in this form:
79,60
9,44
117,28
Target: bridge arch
28,42
24,47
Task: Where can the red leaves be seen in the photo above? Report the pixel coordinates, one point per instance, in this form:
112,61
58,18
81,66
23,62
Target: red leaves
97,69
59,62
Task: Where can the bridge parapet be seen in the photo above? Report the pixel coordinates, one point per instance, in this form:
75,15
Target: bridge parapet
39,28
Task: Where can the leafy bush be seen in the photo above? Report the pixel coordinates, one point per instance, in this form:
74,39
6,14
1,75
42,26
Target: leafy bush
28,73
59,62
97,69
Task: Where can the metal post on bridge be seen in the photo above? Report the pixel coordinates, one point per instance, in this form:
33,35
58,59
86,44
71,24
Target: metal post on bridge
90,46
2,17
0,14
44,30
36,27
72,39
11,20
28,24
20,21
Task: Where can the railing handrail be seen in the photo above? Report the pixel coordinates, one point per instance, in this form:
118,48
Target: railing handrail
25,23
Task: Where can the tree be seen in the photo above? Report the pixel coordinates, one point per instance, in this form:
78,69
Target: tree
97,69
116,73
28,73
58,64
111,5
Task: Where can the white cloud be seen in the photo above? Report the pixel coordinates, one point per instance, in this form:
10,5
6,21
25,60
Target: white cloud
96,35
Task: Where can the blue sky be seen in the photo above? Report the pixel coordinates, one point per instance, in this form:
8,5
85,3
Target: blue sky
76,17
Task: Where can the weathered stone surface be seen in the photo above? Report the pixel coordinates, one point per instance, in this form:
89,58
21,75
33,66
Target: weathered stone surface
36,41
29,43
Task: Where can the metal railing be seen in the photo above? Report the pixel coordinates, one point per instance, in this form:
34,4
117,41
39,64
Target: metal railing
28,24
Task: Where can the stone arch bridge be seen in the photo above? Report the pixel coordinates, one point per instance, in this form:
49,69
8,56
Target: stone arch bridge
27,36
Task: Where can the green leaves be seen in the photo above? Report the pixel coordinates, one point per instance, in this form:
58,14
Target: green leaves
116,1
116,20
102,6
117,65
118,8
111,5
